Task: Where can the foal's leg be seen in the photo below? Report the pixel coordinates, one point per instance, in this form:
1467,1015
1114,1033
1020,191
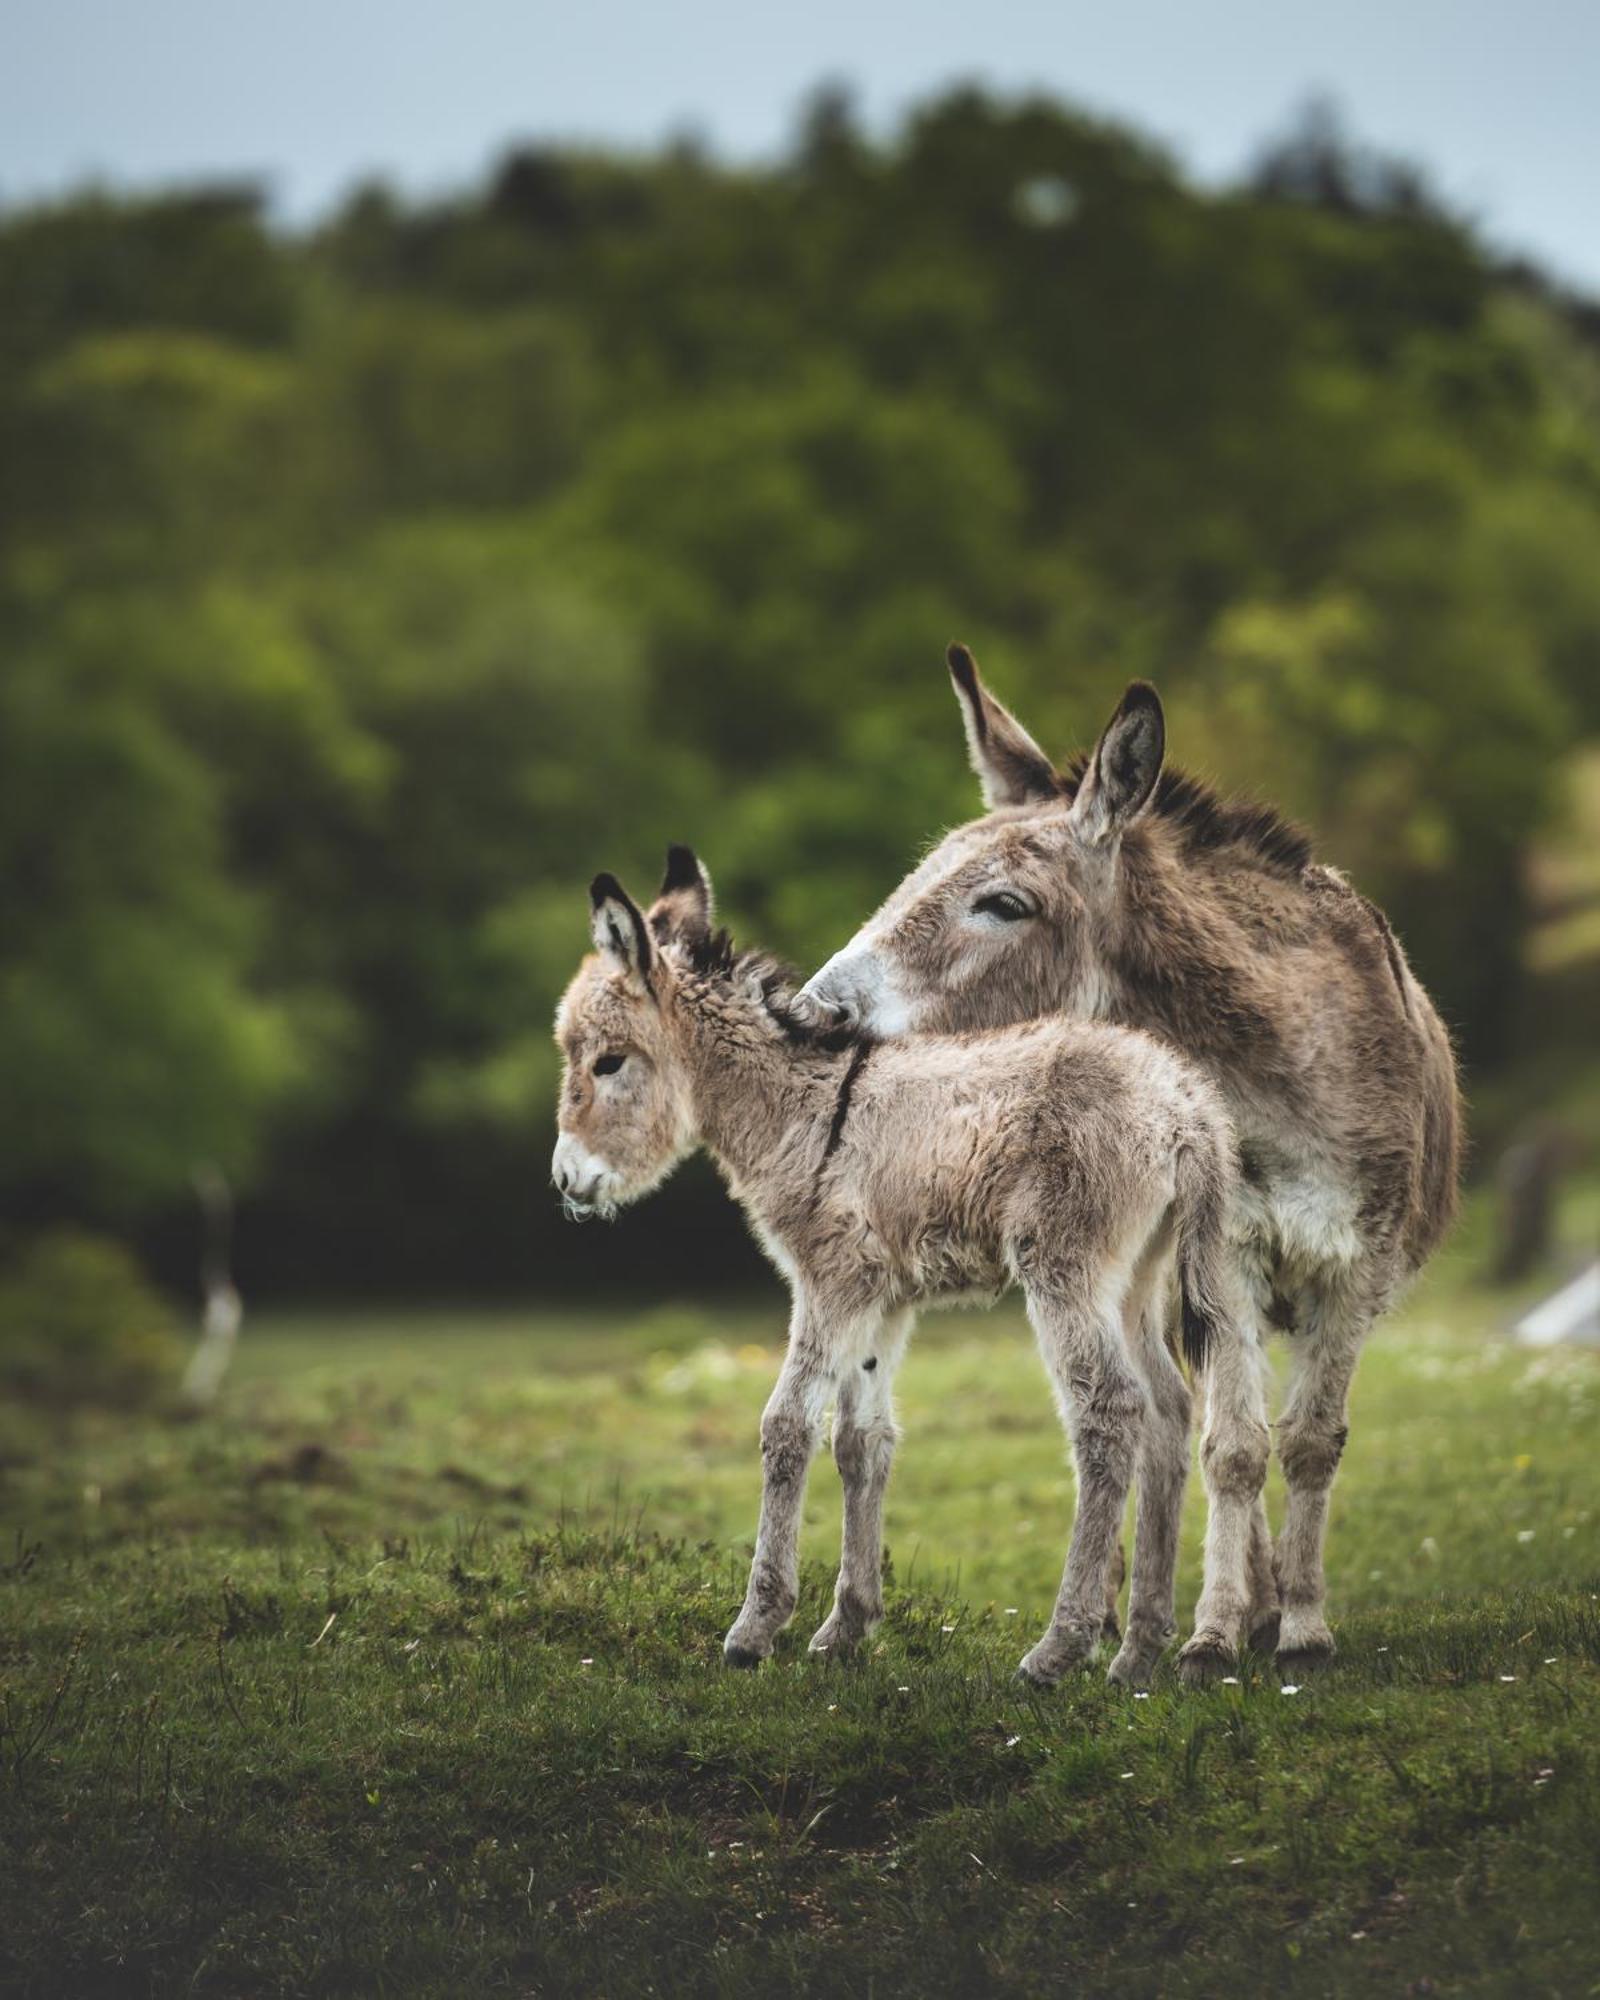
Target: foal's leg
864,1437
1233,1462
1103,1406
791,1428
1163,1473
1311,1435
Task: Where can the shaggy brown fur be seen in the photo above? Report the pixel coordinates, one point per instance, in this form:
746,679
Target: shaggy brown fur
1080,1162
1120,891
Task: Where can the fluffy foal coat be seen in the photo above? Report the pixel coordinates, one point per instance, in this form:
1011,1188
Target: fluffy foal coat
1083,1163
1117,890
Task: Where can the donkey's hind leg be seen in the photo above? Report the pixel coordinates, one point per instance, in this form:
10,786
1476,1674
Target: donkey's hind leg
1233,1462
1265,1612
864,1438
1103,1407
1311,1435
1163,1473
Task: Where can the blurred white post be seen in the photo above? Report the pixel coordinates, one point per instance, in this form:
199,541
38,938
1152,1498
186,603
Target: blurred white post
1572,1314
222,1308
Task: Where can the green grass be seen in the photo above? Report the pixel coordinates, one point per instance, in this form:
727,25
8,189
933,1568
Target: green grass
402,1674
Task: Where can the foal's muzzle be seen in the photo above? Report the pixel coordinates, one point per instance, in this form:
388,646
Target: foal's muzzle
580,1178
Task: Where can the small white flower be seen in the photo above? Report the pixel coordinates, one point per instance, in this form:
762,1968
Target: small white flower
1127,1774
586,1663
1508,1677
1012,1742
1011,1609
1141,1694
905,1690
1289,1687
1383,1649
1525,1534
1236,1861
1552,1659
1231,1681
833,1707
947,1628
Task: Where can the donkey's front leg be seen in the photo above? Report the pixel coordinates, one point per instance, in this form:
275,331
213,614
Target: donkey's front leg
864,1438
791,1428
1104,1407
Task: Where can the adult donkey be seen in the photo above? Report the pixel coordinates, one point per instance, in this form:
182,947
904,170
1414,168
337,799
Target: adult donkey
1118,890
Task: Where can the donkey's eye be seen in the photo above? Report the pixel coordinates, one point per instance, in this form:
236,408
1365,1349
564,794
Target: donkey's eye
1002,904
608,1065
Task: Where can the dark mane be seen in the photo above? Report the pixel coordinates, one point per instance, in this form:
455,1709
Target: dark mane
1202,820
715,956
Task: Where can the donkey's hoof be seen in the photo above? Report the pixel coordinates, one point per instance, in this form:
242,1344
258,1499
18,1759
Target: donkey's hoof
1206,1658
741,1656
1053,1657
1132,1668
1296,1662
835,1642
1264,1632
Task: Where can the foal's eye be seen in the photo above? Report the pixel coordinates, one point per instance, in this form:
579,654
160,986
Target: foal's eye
1002,904
608,1065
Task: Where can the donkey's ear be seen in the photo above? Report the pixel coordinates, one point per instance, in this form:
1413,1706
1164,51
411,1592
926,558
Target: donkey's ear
621,935
683,907
1011,767
1126,763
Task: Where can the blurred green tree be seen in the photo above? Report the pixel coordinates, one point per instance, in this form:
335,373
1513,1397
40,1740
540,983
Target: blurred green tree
362,592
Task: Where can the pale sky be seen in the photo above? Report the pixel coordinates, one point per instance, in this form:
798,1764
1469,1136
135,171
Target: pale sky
1498,101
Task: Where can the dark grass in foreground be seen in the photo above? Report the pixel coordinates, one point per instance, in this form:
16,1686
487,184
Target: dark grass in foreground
373,1683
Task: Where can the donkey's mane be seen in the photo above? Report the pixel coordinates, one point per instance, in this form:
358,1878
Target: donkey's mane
715,956
1202,820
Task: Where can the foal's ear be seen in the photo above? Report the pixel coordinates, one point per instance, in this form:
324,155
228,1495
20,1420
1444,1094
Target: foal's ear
621,935
1011,767
1126,763
682,908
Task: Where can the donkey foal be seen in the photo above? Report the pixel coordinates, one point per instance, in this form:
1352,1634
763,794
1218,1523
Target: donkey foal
1081,1162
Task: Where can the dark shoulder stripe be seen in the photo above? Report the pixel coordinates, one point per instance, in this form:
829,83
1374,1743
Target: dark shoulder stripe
841,1109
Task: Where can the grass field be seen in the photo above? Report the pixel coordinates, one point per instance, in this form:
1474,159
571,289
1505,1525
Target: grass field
402,1674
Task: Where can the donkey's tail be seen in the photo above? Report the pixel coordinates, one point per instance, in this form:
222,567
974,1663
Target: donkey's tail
1204,1184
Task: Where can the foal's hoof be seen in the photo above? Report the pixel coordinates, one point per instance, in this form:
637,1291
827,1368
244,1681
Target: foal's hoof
1206,1659
740,1656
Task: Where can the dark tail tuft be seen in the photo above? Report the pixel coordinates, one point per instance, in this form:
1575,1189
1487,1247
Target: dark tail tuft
1197,1328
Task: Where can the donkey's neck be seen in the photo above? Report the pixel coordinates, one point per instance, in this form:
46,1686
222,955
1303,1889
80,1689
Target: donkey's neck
758,1095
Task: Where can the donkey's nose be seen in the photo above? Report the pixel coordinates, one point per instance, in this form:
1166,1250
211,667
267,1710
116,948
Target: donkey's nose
826,1007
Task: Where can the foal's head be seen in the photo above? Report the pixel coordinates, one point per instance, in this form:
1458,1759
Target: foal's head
996,925
625,1118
